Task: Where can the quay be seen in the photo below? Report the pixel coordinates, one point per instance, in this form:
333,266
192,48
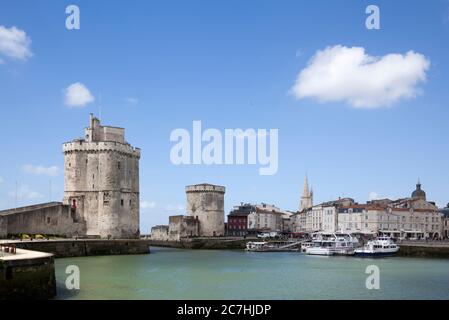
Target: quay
416,249
424,249
205,243
27,268
26,274
65,248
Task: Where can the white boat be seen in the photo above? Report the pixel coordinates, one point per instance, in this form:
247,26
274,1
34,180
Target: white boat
272,246
306,245
345,244
256,246
328,244
381,246
321,248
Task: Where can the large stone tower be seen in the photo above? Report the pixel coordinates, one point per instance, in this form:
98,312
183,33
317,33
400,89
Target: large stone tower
205,202
101,177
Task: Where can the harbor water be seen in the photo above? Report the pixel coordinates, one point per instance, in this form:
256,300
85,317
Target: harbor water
227,274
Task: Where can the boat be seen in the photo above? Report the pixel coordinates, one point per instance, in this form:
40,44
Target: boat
345,244
306,245
256,246
379,247
321,248
273,246
328,244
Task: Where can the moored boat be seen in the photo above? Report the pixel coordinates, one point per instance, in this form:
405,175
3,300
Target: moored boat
328,244
272,246
379,247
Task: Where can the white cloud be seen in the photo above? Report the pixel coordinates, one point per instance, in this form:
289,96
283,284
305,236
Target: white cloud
40,170
347,74
25,193
77,95
147,204
131,100
373,196
175,208
14,43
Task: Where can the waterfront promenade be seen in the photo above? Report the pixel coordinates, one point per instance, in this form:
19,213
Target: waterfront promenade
63,248
26,274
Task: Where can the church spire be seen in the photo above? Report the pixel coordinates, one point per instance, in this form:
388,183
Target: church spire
305,192
307,196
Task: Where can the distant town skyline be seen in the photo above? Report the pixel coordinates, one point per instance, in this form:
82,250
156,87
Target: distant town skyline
369,130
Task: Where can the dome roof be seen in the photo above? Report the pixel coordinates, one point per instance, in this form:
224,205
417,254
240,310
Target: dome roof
419,193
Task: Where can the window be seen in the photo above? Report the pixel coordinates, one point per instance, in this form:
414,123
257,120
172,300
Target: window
48,220
118,165
121,202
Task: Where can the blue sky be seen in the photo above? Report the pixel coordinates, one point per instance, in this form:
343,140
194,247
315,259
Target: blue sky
159,65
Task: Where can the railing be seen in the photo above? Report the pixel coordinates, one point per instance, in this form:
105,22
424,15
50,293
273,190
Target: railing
8,248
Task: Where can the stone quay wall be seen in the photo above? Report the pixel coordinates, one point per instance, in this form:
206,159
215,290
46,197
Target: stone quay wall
53,218
424,250
84,248
206,244
27,275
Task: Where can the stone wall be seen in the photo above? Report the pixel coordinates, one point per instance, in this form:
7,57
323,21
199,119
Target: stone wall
206,244
160,233
182,227
3,227
81,248
52,218
422,250
30,277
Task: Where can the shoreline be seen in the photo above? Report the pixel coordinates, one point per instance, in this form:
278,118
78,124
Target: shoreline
409,249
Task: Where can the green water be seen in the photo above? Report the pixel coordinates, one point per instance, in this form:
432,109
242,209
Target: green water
203,274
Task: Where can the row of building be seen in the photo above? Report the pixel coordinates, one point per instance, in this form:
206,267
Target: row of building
410,218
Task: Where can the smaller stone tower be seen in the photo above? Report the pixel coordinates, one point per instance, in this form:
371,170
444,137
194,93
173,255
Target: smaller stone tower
205,202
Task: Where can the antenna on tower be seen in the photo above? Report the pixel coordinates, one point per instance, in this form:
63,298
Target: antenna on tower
15,197
99,106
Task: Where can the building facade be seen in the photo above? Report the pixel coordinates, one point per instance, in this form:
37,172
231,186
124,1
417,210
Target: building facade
445,216
183,227
266,218
237,225
412,218
160,233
